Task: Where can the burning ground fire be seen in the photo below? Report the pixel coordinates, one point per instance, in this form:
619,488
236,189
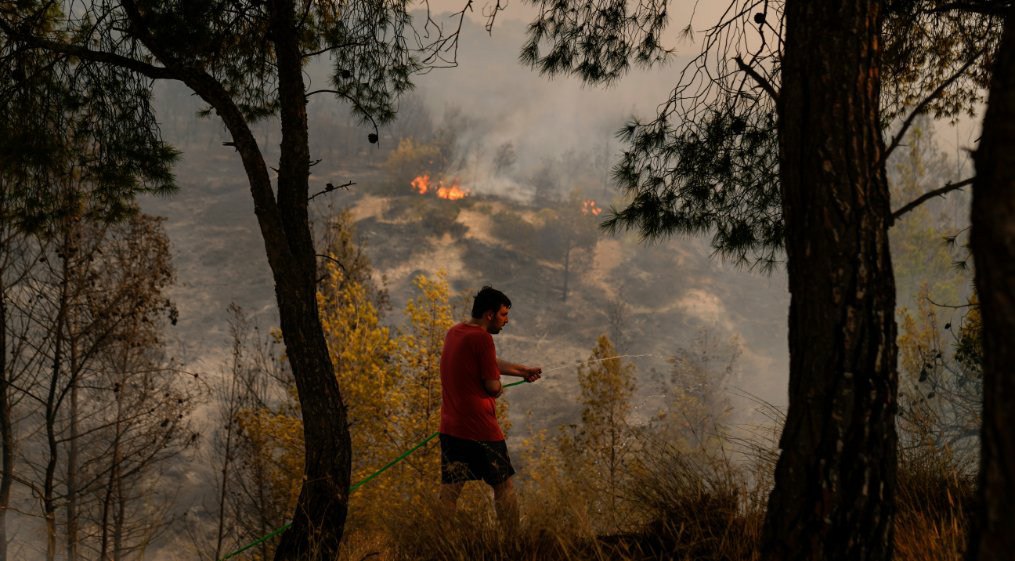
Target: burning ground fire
453,192
589,207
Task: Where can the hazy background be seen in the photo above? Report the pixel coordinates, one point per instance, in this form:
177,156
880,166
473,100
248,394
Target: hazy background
561,133
220,257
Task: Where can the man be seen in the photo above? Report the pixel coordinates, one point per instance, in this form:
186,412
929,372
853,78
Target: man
472,443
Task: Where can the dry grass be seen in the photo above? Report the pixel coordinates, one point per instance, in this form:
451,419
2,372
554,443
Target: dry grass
933,503
678,505
473,534
700,505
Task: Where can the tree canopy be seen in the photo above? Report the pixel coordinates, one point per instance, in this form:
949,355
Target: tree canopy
707,163
246,60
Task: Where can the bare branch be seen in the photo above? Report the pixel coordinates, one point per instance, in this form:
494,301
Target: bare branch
345,271
984,8
491,15
335,261
335,47
952,306
939,192
765,84
352,100
330,187
440,44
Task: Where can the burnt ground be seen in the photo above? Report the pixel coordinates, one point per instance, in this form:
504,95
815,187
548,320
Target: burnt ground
669,291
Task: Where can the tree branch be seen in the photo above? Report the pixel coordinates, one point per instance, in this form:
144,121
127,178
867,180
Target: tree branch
353,101
765,84
330,187
440,43
939,192
919,110
329,48
984,8
335,261
952,306
491,15
345,272
266,208
36,42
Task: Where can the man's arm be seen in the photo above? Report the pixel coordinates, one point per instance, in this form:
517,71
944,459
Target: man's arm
493,388
530,373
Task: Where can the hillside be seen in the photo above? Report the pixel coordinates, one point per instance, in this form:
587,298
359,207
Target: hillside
656,297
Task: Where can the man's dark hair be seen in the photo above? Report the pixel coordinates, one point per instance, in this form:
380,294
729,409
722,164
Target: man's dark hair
489,299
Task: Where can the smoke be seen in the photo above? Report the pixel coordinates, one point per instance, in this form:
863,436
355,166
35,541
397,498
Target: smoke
551,129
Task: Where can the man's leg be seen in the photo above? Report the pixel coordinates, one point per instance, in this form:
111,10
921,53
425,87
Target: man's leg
506,503
449,497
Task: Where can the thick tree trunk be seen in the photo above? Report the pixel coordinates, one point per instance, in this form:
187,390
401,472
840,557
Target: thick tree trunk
835,478
993,245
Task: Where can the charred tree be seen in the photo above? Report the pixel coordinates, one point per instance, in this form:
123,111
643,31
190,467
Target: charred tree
835,478
993,246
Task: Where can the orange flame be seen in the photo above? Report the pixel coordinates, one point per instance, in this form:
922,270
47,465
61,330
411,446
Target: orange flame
589,207
421,183
453,192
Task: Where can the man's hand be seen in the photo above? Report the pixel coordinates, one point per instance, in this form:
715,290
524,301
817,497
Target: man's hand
531,373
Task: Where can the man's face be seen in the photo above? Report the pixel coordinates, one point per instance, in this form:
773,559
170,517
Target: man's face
498,320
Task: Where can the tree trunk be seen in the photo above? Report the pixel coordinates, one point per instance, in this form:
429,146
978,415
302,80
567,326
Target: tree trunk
319,517
120,517
835,477
107,499
227,454
993,246
61,332
6,428
567,270
72,465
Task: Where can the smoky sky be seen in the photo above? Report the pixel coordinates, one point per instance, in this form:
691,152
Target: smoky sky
508,103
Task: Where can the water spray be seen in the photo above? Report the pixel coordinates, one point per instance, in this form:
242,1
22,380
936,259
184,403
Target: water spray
580,362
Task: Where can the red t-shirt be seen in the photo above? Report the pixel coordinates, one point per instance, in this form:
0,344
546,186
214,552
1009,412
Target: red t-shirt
469,357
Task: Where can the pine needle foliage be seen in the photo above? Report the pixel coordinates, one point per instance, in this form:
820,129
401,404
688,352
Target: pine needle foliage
707,162
64,120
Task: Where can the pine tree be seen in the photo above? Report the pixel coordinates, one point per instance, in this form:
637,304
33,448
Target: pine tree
993,247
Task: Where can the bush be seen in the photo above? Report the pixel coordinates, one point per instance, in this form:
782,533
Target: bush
700,505
513,229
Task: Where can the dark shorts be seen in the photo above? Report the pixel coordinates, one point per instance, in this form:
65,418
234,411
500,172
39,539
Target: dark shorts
468,460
